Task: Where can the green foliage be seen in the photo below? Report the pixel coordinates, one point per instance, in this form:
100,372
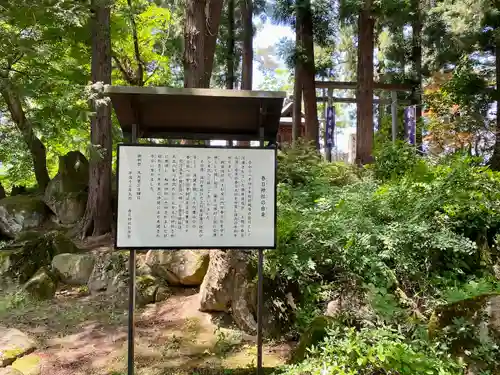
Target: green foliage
370,351
407,236
394,159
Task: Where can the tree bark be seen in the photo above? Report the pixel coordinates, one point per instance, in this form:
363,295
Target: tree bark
246,10
98,214
364,94
247,64
495,158
297,89
230,46
194,44
213,13
305,24
417,61
35,146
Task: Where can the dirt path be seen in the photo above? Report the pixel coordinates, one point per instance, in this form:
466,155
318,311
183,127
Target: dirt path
84,335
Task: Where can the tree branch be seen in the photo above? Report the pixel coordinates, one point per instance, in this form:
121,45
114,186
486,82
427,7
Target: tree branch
124,72
140,63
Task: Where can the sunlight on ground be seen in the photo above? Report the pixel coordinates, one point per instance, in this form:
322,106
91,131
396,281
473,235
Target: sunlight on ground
87,335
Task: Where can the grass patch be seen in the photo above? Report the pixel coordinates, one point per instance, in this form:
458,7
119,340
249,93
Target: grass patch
59,316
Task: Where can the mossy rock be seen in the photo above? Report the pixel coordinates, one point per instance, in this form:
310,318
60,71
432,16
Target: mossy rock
146,289
28,365
471,309
21,212
14,344
315,333
22,261
66,193
42,286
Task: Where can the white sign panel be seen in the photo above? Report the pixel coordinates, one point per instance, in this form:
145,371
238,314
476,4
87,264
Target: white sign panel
195,197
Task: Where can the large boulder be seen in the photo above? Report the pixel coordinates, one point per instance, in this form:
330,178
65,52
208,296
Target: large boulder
66,193
31,252
21,212
228,287
109,272
179,267
146,289
42,285
14,344
73,269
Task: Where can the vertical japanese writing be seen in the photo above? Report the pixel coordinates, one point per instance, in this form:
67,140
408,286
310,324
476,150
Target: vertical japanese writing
215,195
195,198
263,195
208,181
236,194
222,194
201,212
242,187
188,195
129,212
181,193
158,169
249,197
152,166
138,177
173,189
165,195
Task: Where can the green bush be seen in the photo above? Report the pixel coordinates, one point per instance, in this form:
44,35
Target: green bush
407,236
373,351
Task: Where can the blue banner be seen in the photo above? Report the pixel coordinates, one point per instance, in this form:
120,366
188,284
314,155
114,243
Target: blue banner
330,126
410,123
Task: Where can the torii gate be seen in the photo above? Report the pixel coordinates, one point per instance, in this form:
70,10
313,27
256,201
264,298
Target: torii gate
392,87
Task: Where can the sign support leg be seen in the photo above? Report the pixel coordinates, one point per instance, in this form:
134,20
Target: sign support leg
260,288
131,295
260,308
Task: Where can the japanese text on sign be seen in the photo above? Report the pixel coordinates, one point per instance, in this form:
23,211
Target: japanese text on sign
181,197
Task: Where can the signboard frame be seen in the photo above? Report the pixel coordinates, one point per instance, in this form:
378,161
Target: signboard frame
273,187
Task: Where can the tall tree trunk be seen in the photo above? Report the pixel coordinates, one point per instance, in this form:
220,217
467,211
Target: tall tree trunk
213,13
297,88
247,65
304,19
36,147
194,41
495,158
364,94
246,10
98,214
417,61
230,46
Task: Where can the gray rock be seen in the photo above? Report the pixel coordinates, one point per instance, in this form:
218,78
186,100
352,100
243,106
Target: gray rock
73,269
66,193
42,285
31,251
163,293
21,212
14,344
179,267
146,289
228,286
110,270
